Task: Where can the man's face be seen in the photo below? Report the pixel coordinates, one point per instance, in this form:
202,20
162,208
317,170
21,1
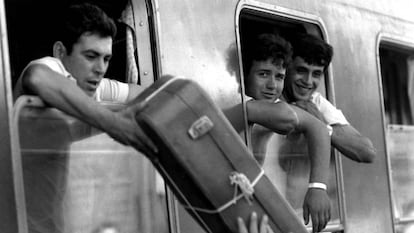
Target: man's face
265,80
89,61
303,79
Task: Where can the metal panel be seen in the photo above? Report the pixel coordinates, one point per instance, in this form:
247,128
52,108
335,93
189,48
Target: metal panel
197,40
366,185
142,31
195,34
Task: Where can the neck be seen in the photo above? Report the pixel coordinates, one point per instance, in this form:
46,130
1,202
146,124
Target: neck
287,96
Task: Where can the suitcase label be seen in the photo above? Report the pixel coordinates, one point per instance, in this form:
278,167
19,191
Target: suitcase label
200,127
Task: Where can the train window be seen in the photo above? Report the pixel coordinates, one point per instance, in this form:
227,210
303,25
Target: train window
286,161
32,39
76,178
397,73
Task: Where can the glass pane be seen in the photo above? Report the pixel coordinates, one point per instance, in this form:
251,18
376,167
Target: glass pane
187,223
397,82
405,228
287,165
78,179
400,150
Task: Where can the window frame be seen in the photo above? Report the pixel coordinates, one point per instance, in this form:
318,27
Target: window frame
398,42
13,211
143,32
298,16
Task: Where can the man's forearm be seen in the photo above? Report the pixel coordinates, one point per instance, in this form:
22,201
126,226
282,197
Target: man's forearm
235,115
279,117
63,94
318,140
319,153
352,144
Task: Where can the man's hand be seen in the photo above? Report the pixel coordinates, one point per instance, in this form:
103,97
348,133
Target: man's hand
126,130
253,226
317,205
310,108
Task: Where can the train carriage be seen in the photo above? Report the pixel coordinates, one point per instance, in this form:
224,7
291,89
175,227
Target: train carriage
370,80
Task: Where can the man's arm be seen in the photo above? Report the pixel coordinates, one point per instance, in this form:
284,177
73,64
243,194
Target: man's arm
345,138
63,94
283,118
278,117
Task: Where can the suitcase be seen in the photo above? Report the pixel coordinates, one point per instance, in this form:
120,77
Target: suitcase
204,161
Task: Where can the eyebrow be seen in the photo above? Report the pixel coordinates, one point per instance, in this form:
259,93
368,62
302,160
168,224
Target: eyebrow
96,53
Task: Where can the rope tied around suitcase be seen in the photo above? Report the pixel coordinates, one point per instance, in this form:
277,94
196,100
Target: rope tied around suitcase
240,181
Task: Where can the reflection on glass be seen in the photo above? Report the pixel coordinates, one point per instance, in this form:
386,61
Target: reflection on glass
400,150
79,180
404,228
397,71
287,165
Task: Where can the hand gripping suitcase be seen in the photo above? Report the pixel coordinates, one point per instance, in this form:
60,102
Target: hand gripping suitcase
204,161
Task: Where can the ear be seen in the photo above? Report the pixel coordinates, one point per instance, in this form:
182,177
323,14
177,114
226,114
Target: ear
59,50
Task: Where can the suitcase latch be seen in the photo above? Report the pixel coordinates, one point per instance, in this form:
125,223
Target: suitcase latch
200,127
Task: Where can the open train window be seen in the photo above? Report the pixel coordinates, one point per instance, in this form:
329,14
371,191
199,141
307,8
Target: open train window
396,60
285,164
32,26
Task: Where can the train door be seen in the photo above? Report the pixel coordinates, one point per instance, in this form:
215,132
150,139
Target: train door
289,169
396,68
76,178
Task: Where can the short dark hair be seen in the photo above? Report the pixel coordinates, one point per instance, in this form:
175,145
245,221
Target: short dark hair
312,49
265,46
85,18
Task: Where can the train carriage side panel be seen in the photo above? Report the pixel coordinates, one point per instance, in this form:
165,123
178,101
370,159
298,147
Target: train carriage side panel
194,39
197,41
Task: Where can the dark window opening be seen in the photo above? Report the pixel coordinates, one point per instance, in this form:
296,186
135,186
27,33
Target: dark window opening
397,70
32,25
253,23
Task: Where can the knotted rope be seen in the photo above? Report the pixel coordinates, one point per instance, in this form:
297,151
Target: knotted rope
240,181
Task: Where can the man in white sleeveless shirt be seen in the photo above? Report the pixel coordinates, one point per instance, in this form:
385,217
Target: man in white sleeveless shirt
73,79
311,58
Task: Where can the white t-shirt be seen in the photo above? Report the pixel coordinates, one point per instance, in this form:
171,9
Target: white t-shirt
108,90
261,135
331,114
